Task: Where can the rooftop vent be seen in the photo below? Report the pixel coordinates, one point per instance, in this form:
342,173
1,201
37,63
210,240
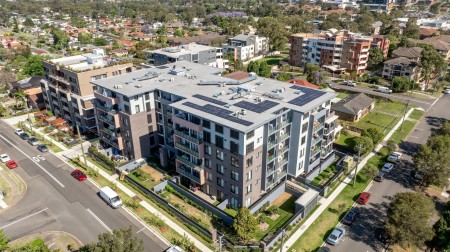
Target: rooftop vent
148,75
117,86
138,86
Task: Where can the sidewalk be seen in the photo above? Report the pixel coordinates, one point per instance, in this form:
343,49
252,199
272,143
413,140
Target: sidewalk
14,190
326,202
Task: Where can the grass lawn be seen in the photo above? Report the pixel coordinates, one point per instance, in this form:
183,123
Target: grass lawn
230,211
273,60
316,234
392,107
345,139
147,176
342,95
377,120
399,135
99,165
416,114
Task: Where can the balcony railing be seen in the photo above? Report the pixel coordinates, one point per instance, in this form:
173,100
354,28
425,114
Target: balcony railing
113,143
186,136
106,109
186,148
109,131
183,171
318,127
106,120
186,161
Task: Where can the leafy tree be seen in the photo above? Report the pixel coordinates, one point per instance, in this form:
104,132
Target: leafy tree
245,224
408,219
37,245
265,69
253,66
400,84
284,76
442,230
60,38
315,74
178,33
433,159
20,96
411,28
373,133
100,42
16,25
4,240
84,38
3,54
33,67
365,22
436,8
376,57
370,171
444,130
120,240
275,30
431,63
362,145
28,22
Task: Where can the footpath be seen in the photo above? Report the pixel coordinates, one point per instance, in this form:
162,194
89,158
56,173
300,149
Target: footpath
326,202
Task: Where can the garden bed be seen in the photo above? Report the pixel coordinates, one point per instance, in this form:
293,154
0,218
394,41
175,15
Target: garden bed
325,175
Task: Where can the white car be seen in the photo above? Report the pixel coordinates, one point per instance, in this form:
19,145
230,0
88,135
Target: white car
395,157
19,132
447,91
351,84
387,167
4,158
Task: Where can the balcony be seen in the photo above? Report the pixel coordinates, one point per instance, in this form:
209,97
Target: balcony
113,143
105,98
192,174
188,137
187,149
184,160
66,108
60,79
183,121
111,120
318,127
109,131
106,109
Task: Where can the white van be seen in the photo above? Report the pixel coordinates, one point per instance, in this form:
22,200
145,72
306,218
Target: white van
384,90
110,197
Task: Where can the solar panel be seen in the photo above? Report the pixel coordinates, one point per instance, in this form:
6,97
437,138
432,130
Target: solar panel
308,95
208,99
256,107
217,111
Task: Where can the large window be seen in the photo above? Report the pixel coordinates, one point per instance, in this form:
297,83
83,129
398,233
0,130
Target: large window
249,148
234,161
220,182
234,189
206,124
234,176
219,154
206,137
234,134
219,168
234,147
219,142
219,128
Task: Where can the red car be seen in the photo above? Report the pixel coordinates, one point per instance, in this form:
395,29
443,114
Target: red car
11,164
363,198
79,175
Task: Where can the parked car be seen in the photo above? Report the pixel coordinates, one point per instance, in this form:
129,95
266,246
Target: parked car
33,141
336,236
418,175
380,176
387,167
351,216
11,164
364,198
42,148
4,158
345,82
19,131
395,157
24,136
384,90
351,84
447,91
79,175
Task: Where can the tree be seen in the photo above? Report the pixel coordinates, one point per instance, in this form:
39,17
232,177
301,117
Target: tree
120,240
245,224
442,230
84,38
4,240
433,159
370,171
315,74
37,245
431,63
284,76
3,111
275,30
411,28
16,25
408,219
253,66
28,22
444,130
100,42
400,84
373,133
178,33
20,96
265,69
60,38
33,67
376,57
362,145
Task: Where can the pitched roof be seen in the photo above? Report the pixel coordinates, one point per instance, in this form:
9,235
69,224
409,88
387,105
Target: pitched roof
398,60
407,52
352,104
303,83
427,32
440,43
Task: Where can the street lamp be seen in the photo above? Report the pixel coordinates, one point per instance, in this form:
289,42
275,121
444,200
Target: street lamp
283,234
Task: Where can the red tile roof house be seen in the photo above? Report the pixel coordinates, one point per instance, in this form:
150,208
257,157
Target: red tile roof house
303,83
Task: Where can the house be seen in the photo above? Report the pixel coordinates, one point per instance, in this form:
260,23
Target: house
353,107
303,83
245,47
405,62
32,87
428,32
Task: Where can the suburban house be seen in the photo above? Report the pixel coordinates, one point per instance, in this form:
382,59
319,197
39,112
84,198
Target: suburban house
245,47
353,107
32,87
405,62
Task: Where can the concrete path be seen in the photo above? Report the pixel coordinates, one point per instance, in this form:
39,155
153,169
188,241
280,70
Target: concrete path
16,193
326,202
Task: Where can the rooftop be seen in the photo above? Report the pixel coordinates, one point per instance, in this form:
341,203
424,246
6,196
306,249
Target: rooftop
177,51
83,62
209,95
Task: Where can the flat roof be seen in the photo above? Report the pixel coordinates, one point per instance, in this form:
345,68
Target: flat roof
177,51
205,91
307,197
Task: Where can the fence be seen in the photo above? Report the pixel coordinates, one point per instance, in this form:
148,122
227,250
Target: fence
269,197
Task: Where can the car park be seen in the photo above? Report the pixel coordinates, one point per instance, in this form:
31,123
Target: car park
351,216
364,198
4,158
42,148
336,236
387,167
33,141
11,164
395,157
24,136
40,157
19,131
79,175
381,175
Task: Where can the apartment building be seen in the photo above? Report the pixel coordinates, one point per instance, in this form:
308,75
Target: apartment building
379,5
245,47
405,62
193,52
337,51
67,90
234,139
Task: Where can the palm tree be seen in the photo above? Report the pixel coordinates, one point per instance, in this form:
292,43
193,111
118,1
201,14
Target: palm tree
20,96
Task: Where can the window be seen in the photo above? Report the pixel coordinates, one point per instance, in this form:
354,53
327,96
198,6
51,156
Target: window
137,108
150,128
234,134
219,128
250,134
234,189
219,142
220,182
207,163
149,118
304,127
234,162
128,144
127,109
125,98
209,176
206,137
126,121
206,124
303,140
248,176
248,189
248,202
208,150
249,161
147,107
257,181
234,176
219,168
249,148
219,155
147,96
234,147
128,133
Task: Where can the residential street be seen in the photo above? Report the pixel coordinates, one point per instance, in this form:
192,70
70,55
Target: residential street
363,235
56,201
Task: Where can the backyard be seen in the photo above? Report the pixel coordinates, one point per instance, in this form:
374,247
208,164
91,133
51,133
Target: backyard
147,176
273,60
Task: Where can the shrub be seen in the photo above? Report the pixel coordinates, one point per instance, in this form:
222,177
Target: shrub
105,159
132,204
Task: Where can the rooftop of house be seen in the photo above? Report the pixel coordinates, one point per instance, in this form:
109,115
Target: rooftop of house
209,95
176,51
408,52
399,60
352,104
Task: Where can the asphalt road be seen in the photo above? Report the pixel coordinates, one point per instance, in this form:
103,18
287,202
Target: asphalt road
363,234
423,103
55,201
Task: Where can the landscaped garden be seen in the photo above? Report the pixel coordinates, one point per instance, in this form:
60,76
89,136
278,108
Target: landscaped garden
147,176
325,175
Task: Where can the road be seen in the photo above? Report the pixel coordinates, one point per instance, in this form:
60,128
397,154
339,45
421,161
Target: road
362,235
55,201
423,103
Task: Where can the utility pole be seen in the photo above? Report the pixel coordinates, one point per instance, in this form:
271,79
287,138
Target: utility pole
283,233
406,109
81,144
357,163
220,243
29,119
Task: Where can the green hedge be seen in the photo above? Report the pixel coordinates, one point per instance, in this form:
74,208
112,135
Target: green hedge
105,159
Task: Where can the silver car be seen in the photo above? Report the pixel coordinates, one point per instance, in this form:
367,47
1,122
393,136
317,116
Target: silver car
336,236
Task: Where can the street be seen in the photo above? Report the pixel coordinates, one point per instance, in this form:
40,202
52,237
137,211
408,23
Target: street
55,201
363,235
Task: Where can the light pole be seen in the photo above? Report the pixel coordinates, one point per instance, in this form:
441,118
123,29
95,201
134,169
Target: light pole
283,234
220,243
29,119
357,163
81,144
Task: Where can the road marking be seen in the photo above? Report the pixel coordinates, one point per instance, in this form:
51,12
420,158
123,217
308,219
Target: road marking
414,136
36,159
432,104
100,221
24,218
391,95
51,245
144,228
42,168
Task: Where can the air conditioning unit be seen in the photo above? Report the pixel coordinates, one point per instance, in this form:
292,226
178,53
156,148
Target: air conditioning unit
281,132
280,158
279,170
280,146
243,111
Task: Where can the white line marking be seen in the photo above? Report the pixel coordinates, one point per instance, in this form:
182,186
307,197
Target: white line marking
100,221
24,218
36,159
51,245
144,228
42,168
